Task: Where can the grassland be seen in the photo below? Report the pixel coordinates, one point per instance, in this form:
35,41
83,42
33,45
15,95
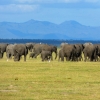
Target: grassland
37,80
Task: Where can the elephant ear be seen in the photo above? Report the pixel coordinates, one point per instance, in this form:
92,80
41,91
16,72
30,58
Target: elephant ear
17,52
74,46
26,50
26,46
1,50
82,46
97,48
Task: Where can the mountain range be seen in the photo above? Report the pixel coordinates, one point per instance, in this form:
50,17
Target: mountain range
34,29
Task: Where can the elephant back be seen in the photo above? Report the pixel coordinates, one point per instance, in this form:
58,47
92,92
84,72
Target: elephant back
21,49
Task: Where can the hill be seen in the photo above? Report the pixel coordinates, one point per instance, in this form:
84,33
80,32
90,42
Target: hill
34,29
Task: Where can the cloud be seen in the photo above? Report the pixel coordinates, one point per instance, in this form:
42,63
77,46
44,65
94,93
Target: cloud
57,1
46,1
33,1
25,1
92,1
17,8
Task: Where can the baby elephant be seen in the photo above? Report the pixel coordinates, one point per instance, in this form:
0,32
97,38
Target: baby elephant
32,54
46,55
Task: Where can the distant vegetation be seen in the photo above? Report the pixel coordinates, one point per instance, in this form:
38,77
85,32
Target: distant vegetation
56,42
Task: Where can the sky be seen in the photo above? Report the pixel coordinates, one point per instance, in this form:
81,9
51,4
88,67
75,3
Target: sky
86,12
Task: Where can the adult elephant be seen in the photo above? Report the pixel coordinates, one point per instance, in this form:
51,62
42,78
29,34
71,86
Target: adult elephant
19,50
90,52
10,51
78,52
37,49
50,48
67,51
3,49
97,52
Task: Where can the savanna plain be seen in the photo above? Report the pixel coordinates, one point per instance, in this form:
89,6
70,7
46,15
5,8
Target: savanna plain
37,80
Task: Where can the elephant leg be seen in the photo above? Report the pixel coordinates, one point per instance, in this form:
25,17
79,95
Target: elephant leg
68,58
43,58
24,57
52,58
80,58
59,58
36,54
1,55
85,57
49,58
62,58
76,59
10,56
7,55
46,58
96,58
16,57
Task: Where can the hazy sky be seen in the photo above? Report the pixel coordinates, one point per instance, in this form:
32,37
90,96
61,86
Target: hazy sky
86,12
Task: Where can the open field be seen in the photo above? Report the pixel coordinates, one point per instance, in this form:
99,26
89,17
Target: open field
36,80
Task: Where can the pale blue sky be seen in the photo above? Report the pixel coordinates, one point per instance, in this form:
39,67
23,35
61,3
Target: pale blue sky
86,12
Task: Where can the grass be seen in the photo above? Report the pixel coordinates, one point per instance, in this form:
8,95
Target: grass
37,80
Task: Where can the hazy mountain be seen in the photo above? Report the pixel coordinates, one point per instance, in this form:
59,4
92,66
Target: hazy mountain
34,29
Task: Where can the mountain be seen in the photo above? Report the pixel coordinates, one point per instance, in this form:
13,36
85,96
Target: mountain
34,29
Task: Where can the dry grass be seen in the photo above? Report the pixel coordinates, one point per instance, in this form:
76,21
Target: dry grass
36,80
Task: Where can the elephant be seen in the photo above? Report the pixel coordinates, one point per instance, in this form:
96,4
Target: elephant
78,52
61,55
10,51
32,54
3,49
97,52
90,51
86,44
19,50
52,49
39,47
46,55
67,51
30,46
62,44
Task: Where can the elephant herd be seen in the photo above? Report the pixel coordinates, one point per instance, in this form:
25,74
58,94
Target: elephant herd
33,49
70,52
76,52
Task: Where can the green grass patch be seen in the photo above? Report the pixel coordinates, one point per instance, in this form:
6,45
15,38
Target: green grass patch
37,80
